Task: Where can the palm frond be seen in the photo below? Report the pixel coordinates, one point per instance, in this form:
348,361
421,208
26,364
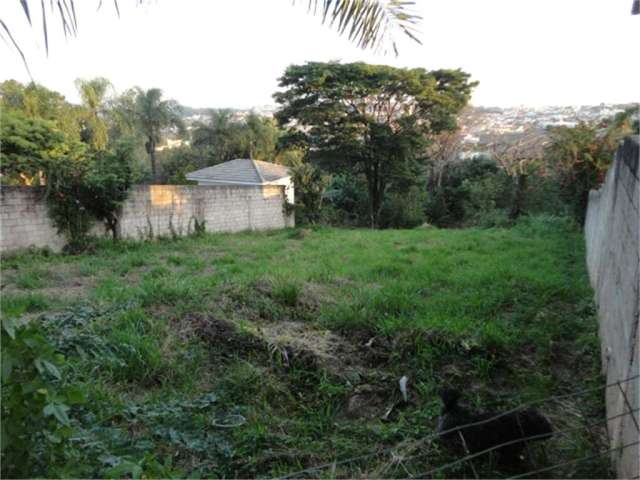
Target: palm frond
25,7
17,47
369,23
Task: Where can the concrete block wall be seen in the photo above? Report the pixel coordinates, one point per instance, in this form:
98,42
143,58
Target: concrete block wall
24,221
612,231
149,211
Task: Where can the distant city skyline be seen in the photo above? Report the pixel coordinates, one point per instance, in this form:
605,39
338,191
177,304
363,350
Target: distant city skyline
229,55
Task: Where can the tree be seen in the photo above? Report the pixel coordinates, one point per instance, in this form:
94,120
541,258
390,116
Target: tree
263,137
214,137
36,101
221,138
93,94
446,148
582,155
28,147
154,116
310,186
370,119
520,156
106,185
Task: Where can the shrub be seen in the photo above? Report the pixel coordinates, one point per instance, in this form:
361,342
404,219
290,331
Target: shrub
310,185
582,155
403,210
287,293
84,188
28,147
487,200
346,201
445,204
36,427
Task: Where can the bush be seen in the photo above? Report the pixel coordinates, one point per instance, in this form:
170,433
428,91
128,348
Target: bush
497,217
404,210
176,163
310,185
445,204
346,201
88,187
36,427
582,155
28,147
487,200
544,195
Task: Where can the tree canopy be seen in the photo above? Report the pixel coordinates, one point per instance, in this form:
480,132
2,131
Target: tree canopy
221,138
370,119
153,116
30,148
93,94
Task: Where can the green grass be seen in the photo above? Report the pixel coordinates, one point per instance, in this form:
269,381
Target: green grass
287,329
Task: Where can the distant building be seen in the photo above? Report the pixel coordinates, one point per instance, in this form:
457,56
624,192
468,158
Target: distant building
245,171
173,144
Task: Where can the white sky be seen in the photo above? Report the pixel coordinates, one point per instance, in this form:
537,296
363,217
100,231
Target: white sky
222,53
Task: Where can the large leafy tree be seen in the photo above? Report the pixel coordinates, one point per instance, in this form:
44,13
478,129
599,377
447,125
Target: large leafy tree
373,120
154,116
36,101
29,148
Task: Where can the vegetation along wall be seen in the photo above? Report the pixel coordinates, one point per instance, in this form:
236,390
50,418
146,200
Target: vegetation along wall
613,256
149,211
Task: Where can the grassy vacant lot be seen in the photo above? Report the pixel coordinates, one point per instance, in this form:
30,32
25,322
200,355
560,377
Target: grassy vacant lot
261,354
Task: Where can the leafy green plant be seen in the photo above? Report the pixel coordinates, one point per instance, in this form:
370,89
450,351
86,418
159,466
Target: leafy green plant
88,188
28,146
36,426
582,155
403,210
287,293
310,185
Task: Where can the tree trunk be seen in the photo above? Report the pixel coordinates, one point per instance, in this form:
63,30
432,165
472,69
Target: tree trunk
376,188
518,201
112,225
151,149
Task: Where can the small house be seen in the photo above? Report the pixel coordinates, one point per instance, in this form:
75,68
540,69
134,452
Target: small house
245,171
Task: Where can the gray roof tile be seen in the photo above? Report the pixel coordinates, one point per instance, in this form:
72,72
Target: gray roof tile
241,170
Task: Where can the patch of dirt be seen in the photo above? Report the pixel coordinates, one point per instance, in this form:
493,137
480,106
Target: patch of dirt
326,346
311,297
314,295
223,336
354,362
367,402
76,290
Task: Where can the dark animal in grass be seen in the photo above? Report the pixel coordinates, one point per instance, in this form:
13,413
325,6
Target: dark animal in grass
508,427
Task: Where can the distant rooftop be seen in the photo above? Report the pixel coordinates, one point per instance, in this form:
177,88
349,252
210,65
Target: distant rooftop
241,171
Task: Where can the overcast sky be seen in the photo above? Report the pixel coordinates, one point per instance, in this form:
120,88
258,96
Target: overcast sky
212,53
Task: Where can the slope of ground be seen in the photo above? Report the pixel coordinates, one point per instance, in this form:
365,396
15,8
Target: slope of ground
263,354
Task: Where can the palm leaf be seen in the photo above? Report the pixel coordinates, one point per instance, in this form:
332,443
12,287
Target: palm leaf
369,23
17,47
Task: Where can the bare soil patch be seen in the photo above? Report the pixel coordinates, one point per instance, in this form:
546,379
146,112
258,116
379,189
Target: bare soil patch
223,336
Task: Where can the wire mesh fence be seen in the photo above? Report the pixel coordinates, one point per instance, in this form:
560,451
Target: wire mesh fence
405,459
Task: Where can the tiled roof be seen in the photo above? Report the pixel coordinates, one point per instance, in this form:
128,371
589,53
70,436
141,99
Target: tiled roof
241,170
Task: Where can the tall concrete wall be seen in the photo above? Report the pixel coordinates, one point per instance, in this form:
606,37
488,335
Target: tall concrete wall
612,230
149,211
